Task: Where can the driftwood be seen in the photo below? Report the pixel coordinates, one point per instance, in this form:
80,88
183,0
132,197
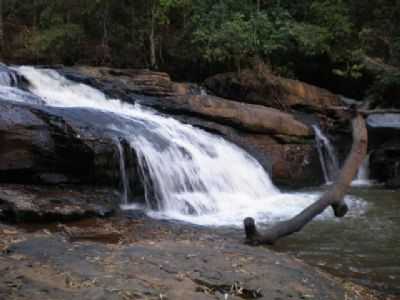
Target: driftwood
333,197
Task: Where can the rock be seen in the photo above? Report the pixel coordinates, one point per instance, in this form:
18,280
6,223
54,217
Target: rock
182,263
27,203
269,90
11,78
122,82
249,117
44,145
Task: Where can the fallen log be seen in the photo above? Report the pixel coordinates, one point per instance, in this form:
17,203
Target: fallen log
333,197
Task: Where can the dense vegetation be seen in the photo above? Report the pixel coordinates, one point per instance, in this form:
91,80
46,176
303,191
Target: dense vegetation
308,39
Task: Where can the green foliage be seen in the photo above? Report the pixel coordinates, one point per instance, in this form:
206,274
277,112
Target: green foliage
225,33
386,91
58,41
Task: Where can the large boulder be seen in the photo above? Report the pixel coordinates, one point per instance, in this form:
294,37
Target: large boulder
44,145
123,82
269,90
249,117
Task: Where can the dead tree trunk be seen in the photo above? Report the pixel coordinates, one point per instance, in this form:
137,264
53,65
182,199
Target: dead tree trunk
332,197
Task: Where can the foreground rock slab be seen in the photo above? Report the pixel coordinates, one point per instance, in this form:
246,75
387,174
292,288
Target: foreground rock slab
22,203
150,261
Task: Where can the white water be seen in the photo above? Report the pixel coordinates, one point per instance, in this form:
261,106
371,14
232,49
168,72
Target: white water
7,78
196,177
362,178
122,169
327,156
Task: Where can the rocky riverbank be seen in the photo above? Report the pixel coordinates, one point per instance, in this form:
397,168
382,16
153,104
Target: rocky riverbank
138,258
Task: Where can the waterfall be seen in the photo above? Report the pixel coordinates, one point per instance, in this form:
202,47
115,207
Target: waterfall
122,168
327,156
8,77
330,164
189,174
362,178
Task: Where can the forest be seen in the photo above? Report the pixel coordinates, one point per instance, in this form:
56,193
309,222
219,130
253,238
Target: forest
318,41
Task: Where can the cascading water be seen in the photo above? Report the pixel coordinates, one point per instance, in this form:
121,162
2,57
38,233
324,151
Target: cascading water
362,178
327,156
330,164
192,175
122,168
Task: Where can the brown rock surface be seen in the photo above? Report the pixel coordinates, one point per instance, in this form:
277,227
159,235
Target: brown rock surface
24,203
250,117
153,262
269,90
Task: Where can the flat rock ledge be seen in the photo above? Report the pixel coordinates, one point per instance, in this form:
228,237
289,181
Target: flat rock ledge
27,203
147,260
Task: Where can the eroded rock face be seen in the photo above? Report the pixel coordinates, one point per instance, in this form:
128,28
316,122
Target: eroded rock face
27,203
41,147
122,82
249,117
273,91
51,146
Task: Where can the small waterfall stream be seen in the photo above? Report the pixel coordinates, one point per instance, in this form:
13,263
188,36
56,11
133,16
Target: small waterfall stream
330,162
327,156
363,178
189,174
124,177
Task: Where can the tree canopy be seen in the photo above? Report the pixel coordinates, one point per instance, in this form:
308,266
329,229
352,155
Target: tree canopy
201,34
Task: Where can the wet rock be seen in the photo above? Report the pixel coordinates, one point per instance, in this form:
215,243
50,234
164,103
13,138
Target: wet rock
266,89
44,145
11,78
27,203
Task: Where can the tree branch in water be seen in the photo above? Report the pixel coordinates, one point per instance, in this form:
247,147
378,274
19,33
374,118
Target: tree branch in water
333,197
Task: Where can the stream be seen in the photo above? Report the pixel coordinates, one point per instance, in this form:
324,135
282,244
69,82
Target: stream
365,249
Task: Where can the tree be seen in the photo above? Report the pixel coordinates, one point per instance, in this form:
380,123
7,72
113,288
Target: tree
332,197
159,17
